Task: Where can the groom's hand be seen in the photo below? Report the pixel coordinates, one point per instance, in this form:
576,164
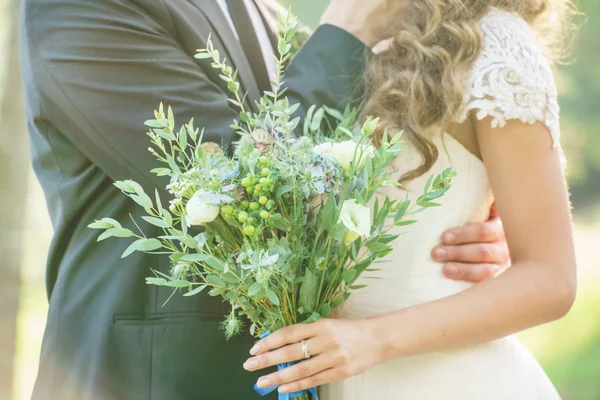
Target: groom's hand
369,21
475,251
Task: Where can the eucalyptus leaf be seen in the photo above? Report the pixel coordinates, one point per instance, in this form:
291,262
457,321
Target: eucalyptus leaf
325,310
189,242
160,123
317,119
124,186
156,222
215,280
177,284
120,232
100,225
142,199
377,247
283,190
167,217
150,245
272,296
349,275
229,277
161,171
334,113
156,281
217,291
194,258
133,247
309,292
255,288
215,264
195,291
314,317
105,223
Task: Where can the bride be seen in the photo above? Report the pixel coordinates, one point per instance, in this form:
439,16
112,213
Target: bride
469,82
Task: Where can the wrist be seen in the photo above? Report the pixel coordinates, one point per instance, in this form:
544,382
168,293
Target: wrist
339,21
378,333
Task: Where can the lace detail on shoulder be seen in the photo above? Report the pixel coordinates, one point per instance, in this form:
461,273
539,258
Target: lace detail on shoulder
511,80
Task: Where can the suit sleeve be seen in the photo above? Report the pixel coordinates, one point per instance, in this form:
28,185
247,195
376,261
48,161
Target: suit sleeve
101,67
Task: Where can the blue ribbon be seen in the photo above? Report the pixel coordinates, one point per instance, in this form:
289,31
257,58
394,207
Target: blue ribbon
283,396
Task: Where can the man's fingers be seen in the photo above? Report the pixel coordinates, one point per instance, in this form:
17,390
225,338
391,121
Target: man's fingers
470,272
494,253
382,46
489,232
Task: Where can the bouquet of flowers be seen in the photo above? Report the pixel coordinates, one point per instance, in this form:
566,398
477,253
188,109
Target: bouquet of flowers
290,221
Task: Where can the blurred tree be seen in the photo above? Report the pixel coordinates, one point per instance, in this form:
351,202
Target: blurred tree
14,168
579,86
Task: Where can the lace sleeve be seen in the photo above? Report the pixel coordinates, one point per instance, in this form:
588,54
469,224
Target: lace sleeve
511,80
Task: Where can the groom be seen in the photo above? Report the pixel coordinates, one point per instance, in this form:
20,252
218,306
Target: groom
93,72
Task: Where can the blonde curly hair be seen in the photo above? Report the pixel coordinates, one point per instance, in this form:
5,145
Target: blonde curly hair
415,85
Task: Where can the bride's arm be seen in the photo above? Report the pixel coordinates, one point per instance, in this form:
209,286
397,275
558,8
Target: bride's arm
527,180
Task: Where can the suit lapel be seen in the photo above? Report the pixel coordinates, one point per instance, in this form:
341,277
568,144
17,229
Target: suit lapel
233,50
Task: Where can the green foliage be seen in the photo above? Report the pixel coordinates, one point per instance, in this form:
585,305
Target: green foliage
288,224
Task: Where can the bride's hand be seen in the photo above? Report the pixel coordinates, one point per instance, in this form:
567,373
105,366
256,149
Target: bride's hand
338,349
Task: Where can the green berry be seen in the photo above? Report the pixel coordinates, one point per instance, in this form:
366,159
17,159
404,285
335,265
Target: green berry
263,160
227,210
249,230
257,189
245,204
254,206
264,214
250,190
264,181
265,172
246,182
263,200
243,216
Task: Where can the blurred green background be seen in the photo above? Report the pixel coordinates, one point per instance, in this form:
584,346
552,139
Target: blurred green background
568,349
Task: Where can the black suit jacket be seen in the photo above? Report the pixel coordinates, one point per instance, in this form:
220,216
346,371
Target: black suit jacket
94,70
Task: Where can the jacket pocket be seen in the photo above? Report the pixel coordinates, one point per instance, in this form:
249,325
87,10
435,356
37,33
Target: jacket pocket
182,356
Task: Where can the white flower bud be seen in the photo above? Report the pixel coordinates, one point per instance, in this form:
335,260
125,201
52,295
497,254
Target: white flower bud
344,153
199,212
357,219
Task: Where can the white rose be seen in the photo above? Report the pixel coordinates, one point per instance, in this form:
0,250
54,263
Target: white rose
199,212
344,152
357,220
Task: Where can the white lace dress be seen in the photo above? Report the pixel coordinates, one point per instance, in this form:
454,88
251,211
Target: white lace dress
510,80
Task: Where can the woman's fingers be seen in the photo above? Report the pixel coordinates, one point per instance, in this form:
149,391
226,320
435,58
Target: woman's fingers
313,381
298,372
284,336
290,353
